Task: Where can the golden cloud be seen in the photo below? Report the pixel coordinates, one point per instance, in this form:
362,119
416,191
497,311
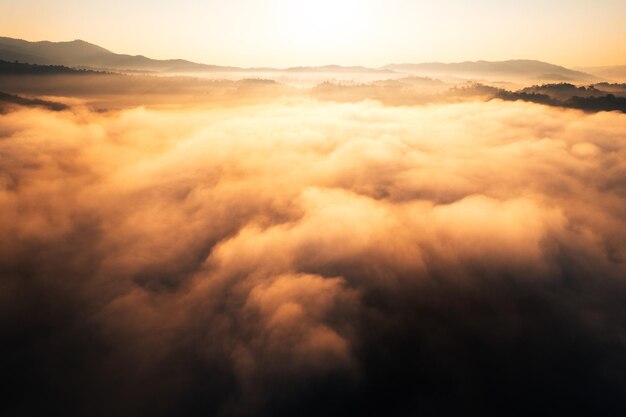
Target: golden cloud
261,255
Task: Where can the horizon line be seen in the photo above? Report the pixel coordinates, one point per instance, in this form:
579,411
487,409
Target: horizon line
296,66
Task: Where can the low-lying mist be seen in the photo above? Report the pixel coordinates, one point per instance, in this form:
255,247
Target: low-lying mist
101,91
298,257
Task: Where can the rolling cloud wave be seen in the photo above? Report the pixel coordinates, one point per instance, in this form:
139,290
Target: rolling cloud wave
299,258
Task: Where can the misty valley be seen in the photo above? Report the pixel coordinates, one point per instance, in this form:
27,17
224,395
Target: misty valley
182,239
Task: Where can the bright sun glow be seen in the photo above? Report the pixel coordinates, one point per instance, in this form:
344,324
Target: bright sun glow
323,20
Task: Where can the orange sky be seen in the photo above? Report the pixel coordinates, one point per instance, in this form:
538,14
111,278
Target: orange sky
366,32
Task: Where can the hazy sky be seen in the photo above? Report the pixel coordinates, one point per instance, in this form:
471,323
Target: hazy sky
298,32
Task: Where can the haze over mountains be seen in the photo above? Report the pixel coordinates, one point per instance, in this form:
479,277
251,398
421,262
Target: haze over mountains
616,72
79,53
334,225
519,67
83,54
100,72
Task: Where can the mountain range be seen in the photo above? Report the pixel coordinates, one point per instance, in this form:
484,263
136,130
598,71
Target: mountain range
81,54
518,67
616,72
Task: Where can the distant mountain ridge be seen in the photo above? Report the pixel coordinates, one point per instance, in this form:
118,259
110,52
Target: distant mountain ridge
616,72
517,67
81,54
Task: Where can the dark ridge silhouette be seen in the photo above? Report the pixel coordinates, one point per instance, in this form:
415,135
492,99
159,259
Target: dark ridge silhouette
588,98
17,68
530,97
11,99
83,54
610,87
79,53
564,91
399,92
608,102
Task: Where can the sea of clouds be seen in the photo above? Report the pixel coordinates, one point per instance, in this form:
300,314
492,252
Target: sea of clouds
297,257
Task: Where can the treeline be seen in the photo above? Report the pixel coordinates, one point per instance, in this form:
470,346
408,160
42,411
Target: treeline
11,99
605,102
19,68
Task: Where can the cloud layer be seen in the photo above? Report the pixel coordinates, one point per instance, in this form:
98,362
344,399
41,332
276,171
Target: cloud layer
306,258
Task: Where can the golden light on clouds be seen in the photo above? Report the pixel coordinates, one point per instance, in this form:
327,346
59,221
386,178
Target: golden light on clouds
265,255
433,240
